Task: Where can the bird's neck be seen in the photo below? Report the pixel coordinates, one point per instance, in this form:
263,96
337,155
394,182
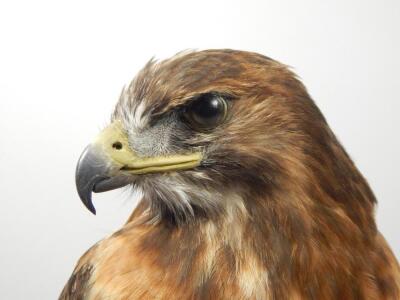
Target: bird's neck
264,243
290,216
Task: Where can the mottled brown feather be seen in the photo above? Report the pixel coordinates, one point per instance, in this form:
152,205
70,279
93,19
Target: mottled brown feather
298,217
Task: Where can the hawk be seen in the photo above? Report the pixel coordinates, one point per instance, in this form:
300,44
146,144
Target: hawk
246,191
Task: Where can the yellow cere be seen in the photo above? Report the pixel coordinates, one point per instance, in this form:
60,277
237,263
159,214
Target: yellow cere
113,141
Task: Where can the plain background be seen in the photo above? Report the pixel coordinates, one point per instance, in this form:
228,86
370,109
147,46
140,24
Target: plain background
63,65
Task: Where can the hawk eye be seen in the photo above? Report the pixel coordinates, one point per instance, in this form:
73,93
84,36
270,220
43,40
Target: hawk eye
206,112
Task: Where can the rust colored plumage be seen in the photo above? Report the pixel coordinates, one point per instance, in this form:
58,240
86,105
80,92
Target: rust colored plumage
284,213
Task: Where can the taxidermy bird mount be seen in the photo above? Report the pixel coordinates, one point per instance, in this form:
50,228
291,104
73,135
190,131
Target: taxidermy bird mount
247,193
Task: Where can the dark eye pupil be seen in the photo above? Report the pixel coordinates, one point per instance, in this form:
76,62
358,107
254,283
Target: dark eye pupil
207,111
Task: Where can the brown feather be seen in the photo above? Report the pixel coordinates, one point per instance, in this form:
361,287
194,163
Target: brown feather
297,217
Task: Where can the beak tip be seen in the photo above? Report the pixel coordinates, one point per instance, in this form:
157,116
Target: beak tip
90,207
87,201
92,210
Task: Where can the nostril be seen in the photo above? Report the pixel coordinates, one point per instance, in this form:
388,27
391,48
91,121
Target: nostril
117,145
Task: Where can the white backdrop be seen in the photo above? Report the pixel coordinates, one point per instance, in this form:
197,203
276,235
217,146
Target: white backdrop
62,67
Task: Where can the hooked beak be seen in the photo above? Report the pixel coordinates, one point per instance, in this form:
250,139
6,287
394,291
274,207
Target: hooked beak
109,163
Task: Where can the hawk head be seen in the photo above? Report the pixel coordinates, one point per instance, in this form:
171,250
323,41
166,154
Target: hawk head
206,132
